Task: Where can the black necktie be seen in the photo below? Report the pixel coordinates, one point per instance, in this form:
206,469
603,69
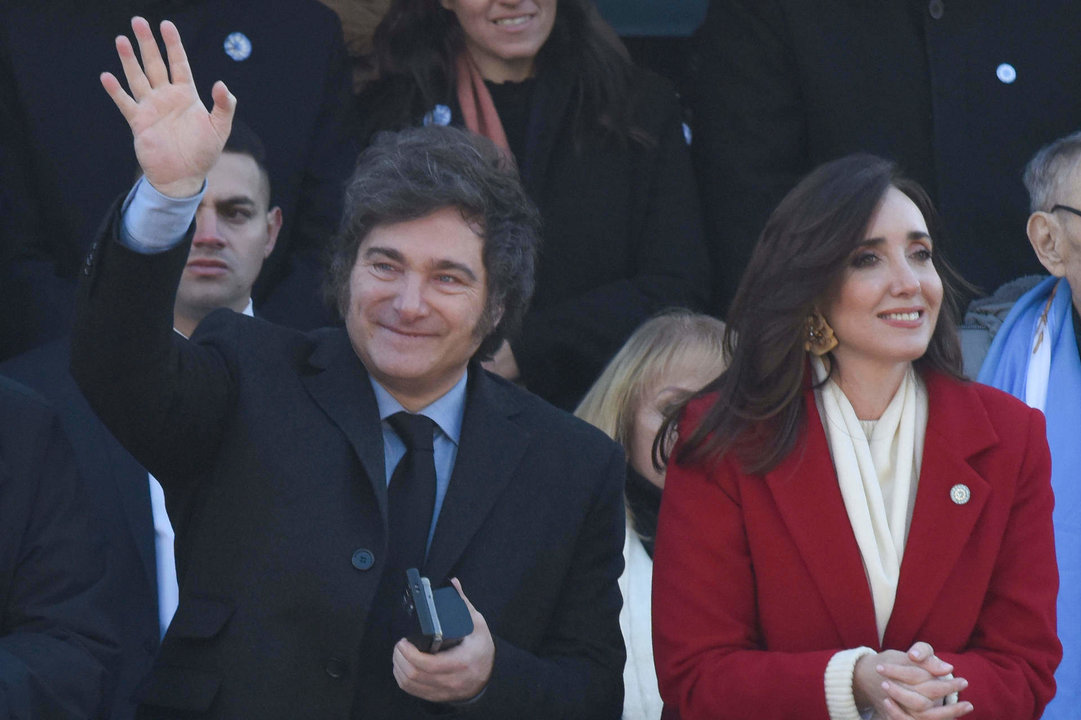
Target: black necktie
412,491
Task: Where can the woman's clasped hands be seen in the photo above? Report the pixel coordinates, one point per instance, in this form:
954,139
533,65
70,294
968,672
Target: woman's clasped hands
908,686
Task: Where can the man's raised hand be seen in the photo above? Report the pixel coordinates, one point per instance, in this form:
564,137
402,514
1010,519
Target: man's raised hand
176,140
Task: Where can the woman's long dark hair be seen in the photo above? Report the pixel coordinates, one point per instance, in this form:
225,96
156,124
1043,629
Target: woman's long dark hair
419,40
800,260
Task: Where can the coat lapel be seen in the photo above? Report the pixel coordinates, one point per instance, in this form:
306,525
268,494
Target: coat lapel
339,385
957,429
489,449
804,486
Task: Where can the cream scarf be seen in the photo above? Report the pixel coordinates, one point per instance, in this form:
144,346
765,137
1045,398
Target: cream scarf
878,468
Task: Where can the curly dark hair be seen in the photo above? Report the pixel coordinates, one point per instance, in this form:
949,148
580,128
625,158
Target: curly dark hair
410,174
799,260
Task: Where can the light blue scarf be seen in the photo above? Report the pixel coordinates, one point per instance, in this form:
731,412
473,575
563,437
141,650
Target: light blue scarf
1006,367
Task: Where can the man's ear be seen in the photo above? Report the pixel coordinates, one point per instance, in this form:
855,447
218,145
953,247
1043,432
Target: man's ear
273,226
1045,235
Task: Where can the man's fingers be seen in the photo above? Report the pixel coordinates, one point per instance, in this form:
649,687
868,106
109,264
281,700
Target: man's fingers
133,72
178,57
153,66
221,116
473,612
123,101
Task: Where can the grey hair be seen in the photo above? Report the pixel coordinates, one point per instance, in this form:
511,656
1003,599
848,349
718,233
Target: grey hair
410,174
1049,169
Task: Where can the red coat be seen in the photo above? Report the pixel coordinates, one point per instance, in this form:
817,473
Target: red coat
758,580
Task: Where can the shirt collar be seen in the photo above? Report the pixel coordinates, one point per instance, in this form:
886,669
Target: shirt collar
446,412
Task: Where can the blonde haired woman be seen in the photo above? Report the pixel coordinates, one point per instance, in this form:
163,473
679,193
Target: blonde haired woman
665,361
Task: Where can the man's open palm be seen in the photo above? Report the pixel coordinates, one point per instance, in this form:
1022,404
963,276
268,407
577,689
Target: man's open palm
176,140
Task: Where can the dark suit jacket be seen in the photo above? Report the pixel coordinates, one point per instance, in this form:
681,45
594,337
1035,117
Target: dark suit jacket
785,85
268,444
758,579
293,90
119,497
56,639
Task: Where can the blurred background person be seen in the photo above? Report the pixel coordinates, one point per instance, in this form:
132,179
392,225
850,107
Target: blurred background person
600,148
849,528
665,361
1035,356
65,154
959,93
57,644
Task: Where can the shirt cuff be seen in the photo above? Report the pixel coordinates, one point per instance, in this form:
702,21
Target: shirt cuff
840,700
151,222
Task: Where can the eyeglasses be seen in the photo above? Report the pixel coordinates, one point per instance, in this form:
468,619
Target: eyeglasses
1068,209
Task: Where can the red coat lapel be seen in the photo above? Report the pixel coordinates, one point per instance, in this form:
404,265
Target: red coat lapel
804,487
957,429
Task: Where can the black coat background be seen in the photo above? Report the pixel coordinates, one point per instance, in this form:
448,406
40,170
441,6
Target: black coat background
622,230
785,85
268,444
66,152
119,494
56,641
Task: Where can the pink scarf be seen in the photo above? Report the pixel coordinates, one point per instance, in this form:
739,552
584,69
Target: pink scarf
478,110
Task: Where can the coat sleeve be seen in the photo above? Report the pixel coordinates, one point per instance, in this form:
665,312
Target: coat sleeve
564,346
163,397
750,132
706,631
577,672
1014,649
57,643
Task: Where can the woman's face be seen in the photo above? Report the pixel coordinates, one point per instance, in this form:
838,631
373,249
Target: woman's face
886,308
504,36
684,378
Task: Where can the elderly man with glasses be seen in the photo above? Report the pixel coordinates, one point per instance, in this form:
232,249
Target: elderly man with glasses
1036,356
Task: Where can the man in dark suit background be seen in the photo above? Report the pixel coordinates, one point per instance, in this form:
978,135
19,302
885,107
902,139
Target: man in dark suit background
235,230
65,154
56,641
275,447
960,93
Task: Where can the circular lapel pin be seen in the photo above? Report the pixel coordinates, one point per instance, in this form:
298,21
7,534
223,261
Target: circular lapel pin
237,46
960,494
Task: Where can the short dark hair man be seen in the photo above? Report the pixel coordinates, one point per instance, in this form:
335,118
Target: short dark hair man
275,447
236,229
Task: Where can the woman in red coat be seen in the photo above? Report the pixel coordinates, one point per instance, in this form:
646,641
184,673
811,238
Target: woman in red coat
849,528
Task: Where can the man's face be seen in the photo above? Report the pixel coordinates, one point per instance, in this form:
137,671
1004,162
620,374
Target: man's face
417,294
1066,261
234,232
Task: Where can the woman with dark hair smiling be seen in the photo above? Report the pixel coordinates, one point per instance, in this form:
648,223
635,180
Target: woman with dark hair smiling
849,528
600,148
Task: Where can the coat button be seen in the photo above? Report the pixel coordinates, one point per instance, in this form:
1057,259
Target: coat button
363,559
1006,73
336,668
936,9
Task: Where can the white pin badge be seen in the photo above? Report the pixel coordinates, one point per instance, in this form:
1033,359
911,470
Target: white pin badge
237,46
960,494
1006,73
439,115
